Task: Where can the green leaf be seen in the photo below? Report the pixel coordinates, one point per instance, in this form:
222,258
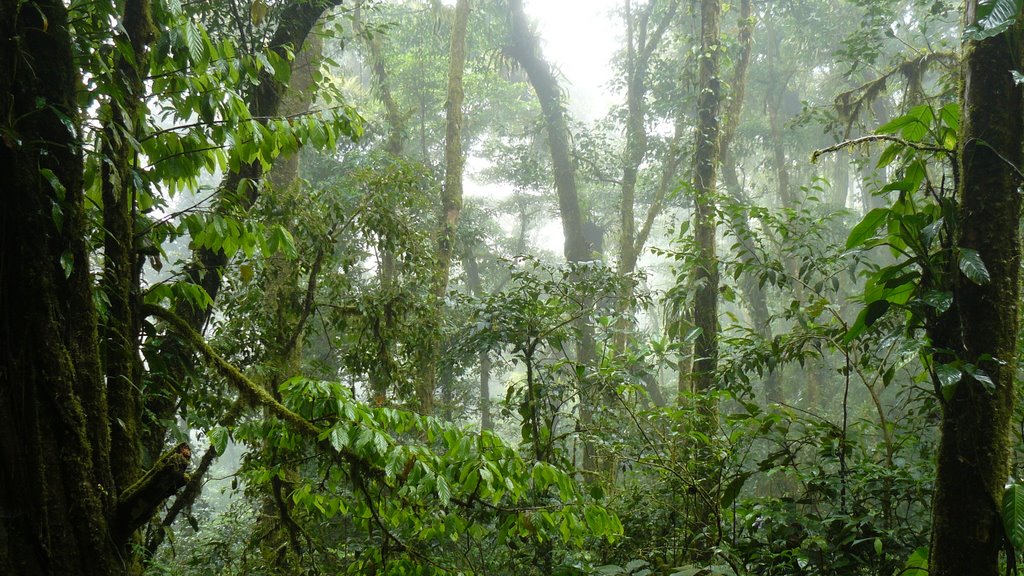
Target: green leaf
993,18
219,439
195,41
923,117
732,490
1013,515
339,439
55,182
889,154
917,564
972,266
941,301
867,227
895,125
444,490
875,310
597,519
950,114
981,376
949,377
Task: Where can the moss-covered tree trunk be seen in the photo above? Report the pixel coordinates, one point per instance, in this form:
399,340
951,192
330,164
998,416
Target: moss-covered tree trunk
705,218
754,296
61,510
973,461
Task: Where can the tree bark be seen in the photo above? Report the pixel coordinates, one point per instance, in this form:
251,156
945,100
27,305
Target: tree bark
705,219
476,288
525,48
59,506
753,294
121,327
451,200
973,460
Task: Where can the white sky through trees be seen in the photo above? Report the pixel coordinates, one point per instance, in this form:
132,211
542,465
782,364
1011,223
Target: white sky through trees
579,38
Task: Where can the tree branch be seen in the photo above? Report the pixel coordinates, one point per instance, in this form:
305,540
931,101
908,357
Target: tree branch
879,138
139,502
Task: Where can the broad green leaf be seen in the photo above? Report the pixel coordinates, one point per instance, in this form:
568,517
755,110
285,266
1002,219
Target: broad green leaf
219,439
339,439
633,565
895,125
993,18
941,301
597,519
950,114
867,227
972,266
732,489
917,130
889,154
981,376
917,564
1013,515
949,377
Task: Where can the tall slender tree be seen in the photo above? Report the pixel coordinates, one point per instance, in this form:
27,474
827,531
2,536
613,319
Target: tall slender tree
451,195
705,218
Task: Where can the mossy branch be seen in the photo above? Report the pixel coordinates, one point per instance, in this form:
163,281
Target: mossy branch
251,391
137,504
879,138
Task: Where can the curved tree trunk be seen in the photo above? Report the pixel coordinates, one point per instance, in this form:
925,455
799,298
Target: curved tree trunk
525,48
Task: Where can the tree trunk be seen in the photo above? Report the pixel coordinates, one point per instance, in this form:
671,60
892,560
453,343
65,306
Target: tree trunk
476,288
641,42
706,275
451,199
525,48
121,327
973,460
61,512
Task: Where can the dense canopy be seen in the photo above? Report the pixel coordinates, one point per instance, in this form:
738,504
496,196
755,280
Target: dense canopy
374,287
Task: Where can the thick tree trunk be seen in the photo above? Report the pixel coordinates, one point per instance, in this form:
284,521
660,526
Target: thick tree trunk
525,48
973,461
121,327
61,512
